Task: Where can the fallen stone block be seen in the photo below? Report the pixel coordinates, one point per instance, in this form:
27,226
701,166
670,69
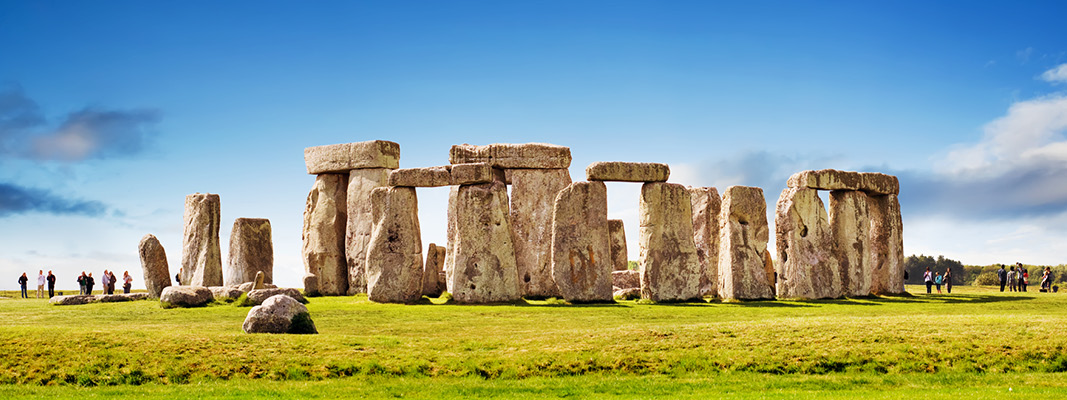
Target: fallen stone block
185,296
279,314
72,300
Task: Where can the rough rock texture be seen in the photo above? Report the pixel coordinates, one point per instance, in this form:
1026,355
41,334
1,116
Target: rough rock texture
433,282
807,254
482,254
421,177
345,157
257,296
185,296
627,294
832,179
102,298
225,292
324,235
121,297
473,173
617,242
886,244
670,268
311,285
706,206
627,171
201,257
742,245
450,232
533,196
154,265
279,314
259,281
394,255
626,279
850,225
251,251
361,183
73,300
879,184
581,250
505,155
250,286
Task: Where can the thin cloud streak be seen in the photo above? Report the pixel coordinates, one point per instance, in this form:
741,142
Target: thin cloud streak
16,200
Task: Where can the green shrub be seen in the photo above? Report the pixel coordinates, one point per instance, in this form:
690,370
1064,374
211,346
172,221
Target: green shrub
987,278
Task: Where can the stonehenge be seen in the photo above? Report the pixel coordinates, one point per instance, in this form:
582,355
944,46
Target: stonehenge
670,268
481,253
743,252
324,236
394,255
251,252
533,198
617,237
808,267
581,262
433,273
154,265
360,223
201,257
706,204
627,172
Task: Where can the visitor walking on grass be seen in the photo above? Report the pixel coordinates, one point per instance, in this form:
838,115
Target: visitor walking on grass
22,282
89,282
40,283
937,281
105,280
111,282
1046,279
948,280
1002,276
1024,279
1013,280
83,281
929,279
51,284
127,282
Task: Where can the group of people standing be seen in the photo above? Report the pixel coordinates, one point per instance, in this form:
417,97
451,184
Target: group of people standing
85,282
42,280
937,279
1017,278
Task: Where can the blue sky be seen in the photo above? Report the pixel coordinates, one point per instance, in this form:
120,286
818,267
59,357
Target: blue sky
111,112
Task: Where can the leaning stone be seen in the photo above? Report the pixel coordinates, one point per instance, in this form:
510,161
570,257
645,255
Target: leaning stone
581,250
474,173
251,251
506,155
361,183
619,171
225,292
706,206
533,196
394,255
421,177
250,286
258,296
345,157
832,179
185,296
153,265
627,294
201,257
324,235
617,236
850,225
626,279
279,314
807,259
743,236
670,268
887,245
73,300
483,256
433,271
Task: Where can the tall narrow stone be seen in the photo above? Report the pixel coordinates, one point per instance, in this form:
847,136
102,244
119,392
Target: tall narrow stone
743,235
251,251
617,236
450,233
153,265
533,196
670,268
201,257
360,223
482,254
433,282
807,259
581,252
324,236
706,207
850,224
887,245
394,254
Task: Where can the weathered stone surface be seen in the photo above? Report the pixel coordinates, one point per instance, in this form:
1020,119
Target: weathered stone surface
259,281
619,171
311,285
626,279
279,314
474,173
483,256
251,251
507,155
450,232
850,225
324,235
879,184
706,206
581,251
887,245
154,265
361,183
533,197
258,296
627,294
185,296
421,177
743,235
394,255
345,157
121,297
250,286
832,179
72,300
201,257
617,242
807,254
433,282
225,292
670,269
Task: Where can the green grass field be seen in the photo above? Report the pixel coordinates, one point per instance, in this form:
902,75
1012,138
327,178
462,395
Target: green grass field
976,343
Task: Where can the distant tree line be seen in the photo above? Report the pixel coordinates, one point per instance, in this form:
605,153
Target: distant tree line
974,274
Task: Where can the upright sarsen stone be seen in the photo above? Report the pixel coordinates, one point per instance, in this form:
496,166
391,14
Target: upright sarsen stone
887,245
743,235
533,197
433,274
324,236
581,263
154,265
850,224
617,237
807,259
670,269
201,257
706,207
394,255
482,254
360,223
251,252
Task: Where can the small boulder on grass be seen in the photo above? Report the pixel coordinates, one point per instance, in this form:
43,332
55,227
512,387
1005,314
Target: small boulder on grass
627,294
222,293
72,300
185,296
279,314
258,296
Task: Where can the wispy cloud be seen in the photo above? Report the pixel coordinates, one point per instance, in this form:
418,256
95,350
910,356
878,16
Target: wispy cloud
1057,74
20,200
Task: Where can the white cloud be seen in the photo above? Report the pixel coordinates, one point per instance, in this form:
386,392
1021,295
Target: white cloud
1058,74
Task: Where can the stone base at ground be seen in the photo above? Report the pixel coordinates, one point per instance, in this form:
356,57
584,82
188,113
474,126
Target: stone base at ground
185,296
279,314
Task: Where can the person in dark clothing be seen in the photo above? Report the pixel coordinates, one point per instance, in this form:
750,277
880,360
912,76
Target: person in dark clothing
929,279
82,282
178,276
948,280
22,282
51,284
1002,275
111,283
89,282
1024,277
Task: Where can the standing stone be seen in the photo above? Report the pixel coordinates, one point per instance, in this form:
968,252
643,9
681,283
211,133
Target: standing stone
807,259
887,245
154,265
670,268
581,252
850,224
258,283
201,257
742,243
450,232
482,254
617,238
394,255
360,223
433,282
324,236
706,207
251,251
533,196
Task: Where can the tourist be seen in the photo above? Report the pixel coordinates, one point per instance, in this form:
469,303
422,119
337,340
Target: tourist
178,276
51,285
83,281
1046,279
937,281
22,282
40,283
1002,276
929,279
127,282
1024,278
89,282
111,282
105,280
1013,279
948,280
